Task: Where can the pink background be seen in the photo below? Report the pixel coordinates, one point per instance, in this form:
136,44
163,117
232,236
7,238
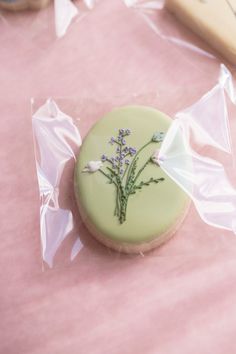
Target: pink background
180,299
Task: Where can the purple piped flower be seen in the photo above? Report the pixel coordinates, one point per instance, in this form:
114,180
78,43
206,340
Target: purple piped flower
112,140
123,142
127,162
121,131
122,156
126,150
103,158
132,151
118,150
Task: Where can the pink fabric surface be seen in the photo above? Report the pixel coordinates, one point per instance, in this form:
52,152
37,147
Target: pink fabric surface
179,300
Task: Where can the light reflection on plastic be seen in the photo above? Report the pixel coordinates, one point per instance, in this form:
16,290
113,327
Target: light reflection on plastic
65,12
54,133
202,177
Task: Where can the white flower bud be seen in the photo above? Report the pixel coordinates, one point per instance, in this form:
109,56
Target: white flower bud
92,166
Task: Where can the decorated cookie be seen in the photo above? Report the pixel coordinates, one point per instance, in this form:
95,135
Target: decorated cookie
213,20
125,199
16,5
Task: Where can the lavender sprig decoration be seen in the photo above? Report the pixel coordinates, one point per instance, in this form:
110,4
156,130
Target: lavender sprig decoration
122,169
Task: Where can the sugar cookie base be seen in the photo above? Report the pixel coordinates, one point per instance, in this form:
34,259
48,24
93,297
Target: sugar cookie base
132,248
24,5
214,21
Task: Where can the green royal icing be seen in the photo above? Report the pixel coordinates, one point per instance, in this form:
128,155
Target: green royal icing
114,202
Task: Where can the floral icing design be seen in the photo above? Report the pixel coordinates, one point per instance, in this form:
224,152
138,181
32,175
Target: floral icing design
122,169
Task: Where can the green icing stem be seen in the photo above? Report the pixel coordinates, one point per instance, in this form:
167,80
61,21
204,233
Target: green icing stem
132,163
124,190
151,212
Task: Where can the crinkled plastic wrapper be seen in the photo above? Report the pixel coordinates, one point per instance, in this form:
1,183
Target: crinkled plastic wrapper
202,164
47,19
